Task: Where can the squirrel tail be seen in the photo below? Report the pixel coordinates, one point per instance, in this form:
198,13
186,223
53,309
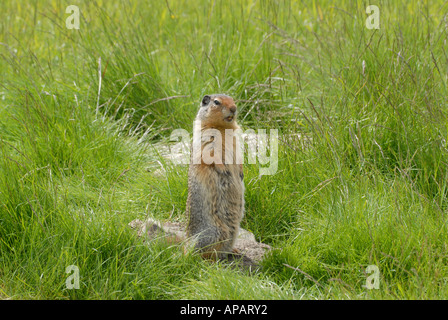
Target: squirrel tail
173,234
168,232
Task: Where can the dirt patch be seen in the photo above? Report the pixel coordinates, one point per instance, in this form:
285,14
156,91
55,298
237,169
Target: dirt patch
250,252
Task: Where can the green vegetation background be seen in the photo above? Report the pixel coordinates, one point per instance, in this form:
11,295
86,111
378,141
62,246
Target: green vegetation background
362,116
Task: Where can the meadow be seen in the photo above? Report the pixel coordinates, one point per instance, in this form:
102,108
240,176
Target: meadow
362,150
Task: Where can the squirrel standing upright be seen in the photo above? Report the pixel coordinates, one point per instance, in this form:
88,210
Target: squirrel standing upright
215,204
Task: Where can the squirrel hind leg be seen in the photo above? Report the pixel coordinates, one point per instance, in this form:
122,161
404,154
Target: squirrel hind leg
217,251
215,255
209,244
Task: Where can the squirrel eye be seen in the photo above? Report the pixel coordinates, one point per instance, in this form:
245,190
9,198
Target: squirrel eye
217,102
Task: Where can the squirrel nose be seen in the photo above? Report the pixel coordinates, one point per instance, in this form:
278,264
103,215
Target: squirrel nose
232,109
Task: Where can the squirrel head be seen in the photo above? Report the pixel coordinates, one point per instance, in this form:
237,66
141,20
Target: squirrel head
218,111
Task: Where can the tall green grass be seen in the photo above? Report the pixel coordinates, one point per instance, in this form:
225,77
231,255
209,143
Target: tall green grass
362,117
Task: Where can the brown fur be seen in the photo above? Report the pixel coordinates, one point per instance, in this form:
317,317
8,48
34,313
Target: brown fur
215,204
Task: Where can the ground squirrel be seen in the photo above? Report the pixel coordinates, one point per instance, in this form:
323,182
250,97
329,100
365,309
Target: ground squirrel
215,204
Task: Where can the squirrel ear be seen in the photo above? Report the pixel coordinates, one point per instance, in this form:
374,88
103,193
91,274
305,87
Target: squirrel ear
206,100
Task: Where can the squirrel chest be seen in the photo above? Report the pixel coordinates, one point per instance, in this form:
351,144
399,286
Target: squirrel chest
222,189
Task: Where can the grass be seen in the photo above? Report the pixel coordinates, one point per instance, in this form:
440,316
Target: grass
362,120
